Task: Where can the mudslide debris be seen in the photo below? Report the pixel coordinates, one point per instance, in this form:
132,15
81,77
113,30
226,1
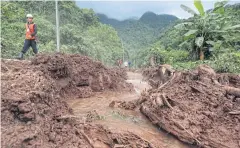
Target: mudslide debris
34,112
199,107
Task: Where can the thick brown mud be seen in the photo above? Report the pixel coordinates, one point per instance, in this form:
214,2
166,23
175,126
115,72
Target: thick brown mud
199,107
34,112
63,101
96,109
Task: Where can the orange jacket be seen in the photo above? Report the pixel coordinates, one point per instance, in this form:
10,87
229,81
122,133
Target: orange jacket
30,31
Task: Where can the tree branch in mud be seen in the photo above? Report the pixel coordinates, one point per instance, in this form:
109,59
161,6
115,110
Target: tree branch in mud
183,128
87,138
232,91
173,77
165,101
229,90
234,112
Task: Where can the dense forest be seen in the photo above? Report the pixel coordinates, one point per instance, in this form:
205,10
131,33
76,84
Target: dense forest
80,30
208,37
138,34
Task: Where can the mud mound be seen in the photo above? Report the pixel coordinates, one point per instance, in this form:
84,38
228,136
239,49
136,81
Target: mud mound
196,108
64,133
43,121
229,79
120,72
33,108
80,75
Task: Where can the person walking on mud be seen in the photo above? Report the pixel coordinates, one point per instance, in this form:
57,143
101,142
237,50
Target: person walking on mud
30,37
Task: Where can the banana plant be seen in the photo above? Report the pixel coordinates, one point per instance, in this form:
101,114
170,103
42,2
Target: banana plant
207,27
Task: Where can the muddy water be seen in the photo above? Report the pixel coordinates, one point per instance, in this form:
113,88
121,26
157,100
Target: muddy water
124,120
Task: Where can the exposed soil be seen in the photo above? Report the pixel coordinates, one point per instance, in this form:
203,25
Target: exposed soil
199,107
158,75
34,112
115,117
62,100
229,79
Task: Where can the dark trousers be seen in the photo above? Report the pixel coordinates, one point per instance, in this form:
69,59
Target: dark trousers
27,44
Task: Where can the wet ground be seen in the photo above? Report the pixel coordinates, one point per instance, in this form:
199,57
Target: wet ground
124,120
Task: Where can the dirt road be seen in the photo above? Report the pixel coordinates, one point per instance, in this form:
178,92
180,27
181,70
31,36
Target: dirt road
123,120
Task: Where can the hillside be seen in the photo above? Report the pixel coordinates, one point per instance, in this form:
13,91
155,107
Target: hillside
178,43
181,89
80,30
139,33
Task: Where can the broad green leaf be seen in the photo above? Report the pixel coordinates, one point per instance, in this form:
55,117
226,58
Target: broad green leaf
199,41
190,32
220,4
219,42
183,43
179,26
199,6
189,10
219,10
189,37
217,31
232,27
211,42
182,25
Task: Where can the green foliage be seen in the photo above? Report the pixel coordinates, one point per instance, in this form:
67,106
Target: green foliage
159,37
161,55
137,34
216,33
209,28
199,6
227,62
168,56
105,43
189,10
11,12
80,31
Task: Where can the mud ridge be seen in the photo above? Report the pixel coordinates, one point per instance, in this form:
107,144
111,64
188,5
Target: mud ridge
199,107
34,112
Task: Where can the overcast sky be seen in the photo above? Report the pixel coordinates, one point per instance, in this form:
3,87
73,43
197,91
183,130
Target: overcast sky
125,9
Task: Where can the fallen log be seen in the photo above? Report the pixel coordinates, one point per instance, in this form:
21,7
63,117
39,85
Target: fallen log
232,91
183,128
229,90
234,112
153,117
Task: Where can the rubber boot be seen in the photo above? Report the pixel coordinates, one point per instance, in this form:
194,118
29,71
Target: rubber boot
20,56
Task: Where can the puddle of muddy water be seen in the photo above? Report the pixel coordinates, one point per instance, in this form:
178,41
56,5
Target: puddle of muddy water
124,120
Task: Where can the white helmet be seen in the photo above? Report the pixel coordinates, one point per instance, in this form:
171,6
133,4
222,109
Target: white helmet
29,15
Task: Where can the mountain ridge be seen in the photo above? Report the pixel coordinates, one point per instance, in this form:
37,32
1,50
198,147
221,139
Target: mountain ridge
139,33
135,17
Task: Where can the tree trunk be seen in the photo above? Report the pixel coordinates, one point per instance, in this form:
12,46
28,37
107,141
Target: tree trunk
201,54
232,91
152,61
